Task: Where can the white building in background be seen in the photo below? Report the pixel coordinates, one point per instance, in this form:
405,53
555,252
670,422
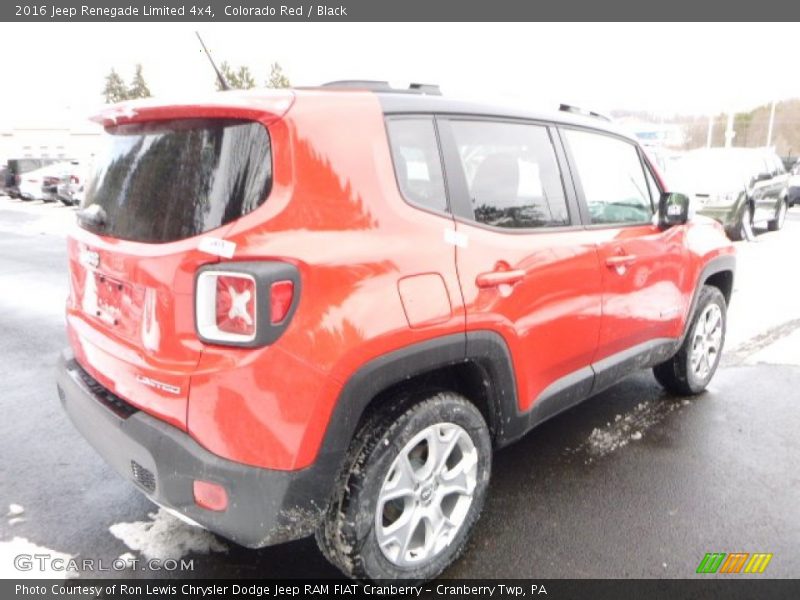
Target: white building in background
662,135
53,136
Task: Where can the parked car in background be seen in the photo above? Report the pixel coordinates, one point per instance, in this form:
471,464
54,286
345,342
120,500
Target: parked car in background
3,174
739,187
19,167
42,184
71,186
794,185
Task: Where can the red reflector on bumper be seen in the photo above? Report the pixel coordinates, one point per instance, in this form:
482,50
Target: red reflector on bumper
281,294
210,496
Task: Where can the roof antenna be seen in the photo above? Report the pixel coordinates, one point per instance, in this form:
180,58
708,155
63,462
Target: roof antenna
220,76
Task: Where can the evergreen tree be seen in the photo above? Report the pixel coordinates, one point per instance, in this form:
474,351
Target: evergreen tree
138,87
277,78
240,79
114,90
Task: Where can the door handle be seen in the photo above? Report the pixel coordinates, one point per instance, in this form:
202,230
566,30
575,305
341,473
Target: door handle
495,278
623,260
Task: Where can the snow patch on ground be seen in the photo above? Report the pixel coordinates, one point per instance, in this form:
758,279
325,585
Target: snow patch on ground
628,427
15,510
10,550
129,558
166,536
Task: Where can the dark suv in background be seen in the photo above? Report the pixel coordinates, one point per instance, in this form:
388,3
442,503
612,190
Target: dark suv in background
739,187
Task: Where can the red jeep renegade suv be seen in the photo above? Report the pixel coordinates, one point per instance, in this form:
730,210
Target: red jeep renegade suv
320,310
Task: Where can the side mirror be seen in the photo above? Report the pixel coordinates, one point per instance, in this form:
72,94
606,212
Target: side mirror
673,209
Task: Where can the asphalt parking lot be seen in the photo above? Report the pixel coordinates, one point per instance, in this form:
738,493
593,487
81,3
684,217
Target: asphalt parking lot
633,483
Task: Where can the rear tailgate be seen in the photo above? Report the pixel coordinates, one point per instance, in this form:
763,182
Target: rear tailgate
160,202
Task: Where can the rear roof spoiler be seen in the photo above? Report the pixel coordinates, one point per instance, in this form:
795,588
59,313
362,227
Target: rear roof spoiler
258,104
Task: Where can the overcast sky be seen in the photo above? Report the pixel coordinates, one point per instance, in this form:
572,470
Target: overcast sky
50,68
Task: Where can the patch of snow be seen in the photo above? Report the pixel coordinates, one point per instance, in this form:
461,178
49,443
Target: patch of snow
39,569
16,520
15,510
627,427
166,536
128,558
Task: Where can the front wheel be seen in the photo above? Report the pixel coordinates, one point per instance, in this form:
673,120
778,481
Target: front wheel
691,369
413,488
746,227
780,217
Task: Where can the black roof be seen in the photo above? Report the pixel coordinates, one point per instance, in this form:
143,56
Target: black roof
404,103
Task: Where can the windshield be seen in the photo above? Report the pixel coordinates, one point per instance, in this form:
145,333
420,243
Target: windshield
713,171
169,180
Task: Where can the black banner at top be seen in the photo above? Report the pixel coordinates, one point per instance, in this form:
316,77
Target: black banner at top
396,10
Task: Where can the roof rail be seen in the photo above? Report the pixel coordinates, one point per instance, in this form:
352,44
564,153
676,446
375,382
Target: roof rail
579,111
383,86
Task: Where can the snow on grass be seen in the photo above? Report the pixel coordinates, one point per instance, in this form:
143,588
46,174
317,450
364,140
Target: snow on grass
10,550
15,510
628,427
166,536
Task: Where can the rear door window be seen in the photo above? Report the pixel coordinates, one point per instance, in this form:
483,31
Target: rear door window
511,173
169,180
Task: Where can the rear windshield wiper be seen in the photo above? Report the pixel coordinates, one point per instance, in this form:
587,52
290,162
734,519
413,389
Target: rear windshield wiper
93,215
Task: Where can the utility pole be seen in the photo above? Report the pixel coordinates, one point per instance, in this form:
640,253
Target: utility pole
771,123
729,132
710,130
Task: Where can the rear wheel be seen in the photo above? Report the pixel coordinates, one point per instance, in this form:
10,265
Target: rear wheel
691,369
413,488
780,217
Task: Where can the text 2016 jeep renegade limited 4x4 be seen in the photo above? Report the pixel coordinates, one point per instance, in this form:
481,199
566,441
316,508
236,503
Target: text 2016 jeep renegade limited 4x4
319,311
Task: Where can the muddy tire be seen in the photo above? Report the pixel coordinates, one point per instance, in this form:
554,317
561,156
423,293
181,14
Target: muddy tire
412,488
691,369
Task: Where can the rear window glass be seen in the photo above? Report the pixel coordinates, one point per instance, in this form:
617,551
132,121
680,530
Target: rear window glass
169,180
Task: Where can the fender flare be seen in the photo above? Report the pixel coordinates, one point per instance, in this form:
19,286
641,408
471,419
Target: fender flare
485,349
718,264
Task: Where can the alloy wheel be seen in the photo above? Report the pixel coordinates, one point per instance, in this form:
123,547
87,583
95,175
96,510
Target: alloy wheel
426,495
707,341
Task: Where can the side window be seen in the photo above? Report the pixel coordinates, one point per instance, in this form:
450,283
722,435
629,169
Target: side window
612,178
512,174
417,163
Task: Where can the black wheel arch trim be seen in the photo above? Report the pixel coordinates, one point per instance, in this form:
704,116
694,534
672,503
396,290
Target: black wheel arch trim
725,263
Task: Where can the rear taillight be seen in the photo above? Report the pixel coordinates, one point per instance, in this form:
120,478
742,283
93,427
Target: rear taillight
245,303
236,305
226,306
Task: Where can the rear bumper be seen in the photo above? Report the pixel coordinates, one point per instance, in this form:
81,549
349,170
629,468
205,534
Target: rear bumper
265,507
